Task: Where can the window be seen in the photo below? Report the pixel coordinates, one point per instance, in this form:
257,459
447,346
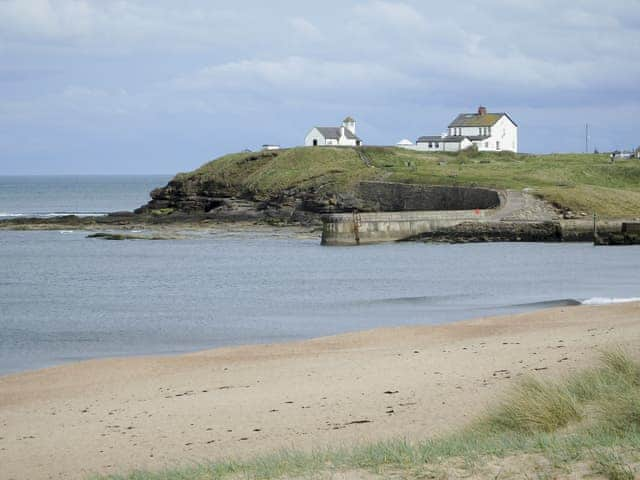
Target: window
486,144
437,145
430,145
497,145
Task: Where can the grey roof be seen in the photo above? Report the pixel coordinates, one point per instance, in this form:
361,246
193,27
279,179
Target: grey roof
477,120
334,133
478,138
438,138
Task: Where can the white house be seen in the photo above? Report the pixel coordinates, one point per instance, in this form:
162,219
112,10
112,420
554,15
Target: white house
344,135
487,131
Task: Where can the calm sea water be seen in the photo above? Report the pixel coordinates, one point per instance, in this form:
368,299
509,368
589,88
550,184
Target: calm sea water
45,196
64,297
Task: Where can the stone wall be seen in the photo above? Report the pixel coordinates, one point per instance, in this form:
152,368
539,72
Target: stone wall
364,228
398,211
402,197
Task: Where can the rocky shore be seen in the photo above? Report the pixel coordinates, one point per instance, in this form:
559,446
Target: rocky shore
301,187
495,232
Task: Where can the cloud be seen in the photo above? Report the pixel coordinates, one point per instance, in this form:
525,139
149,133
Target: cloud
396,14
398,66
45,19
305,28
294,74
119,26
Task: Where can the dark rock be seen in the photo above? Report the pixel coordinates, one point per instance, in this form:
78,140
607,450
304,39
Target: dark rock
196,195
495,232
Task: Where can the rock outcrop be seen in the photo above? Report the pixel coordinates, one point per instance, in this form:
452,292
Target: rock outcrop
200,195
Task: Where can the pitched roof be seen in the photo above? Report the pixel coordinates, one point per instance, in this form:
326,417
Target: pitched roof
476,120
477,138
437,138
334,133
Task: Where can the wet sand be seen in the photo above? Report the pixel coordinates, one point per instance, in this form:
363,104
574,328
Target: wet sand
116,415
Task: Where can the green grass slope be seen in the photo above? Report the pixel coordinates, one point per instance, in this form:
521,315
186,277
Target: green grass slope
581,182
336,169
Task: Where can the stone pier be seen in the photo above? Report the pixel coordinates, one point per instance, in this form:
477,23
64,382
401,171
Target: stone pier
365,228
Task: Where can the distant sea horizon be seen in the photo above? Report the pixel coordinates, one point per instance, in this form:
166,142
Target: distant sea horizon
83,194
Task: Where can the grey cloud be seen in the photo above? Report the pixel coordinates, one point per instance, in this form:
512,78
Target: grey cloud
403,67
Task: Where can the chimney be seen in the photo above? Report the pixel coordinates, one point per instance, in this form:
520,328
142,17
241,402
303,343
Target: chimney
482,111
342,131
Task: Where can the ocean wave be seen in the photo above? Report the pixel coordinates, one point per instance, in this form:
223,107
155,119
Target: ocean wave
609,300
51,214
423,299
64,214
561,302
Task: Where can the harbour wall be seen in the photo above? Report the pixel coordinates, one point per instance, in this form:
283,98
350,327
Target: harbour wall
365,228
397,211
403,197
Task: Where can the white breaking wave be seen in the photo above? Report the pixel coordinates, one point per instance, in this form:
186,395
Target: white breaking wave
609,300
52,214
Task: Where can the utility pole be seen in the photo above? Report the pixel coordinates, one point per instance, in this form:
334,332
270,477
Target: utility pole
586,138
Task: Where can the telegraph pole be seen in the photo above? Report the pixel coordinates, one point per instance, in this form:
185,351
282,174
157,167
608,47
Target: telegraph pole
586,138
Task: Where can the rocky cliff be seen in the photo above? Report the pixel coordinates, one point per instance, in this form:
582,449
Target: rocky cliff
245,189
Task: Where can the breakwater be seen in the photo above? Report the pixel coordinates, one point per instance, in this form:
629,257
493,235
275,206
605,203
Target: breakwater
363,228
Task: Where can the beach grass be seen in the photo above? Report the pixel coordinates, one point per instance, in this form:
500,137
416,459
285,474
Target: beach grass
587,422
581,182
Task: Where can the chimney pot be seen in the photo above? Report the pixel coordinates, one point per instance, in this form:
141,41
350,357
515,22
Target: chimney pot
482,110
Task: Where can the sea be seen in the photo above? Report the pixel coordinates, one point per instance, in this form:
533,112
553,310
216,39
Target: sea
66,298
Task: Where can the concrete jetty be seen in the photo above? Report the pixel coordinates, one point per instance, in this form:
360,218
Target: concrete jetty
519,216
363,228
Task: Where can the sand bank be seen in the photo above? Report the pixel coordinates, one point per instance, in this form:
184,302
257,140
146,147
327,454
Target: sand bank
115,415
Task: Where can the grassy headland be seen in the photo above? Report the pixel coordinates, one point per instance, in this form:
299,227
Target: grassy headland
587,424
579,182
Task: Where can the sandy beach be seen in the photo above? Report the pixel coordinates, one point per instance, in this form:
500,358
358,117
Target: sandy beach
116,415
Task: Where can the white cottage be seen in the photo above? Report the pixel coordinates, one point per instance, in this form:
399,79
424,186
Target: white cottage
487,131
344,135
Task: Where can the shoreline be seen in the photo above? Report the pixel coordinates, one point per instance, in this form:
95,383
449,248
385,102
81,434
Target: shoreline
119,226
114,415
532,308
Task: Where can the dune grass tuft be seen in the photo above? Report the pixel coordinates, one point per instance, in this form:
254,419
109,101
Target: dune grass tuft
535,406
612,466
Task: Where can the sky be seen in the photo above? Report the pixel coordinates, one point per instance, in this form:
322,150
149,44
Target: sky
159,86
